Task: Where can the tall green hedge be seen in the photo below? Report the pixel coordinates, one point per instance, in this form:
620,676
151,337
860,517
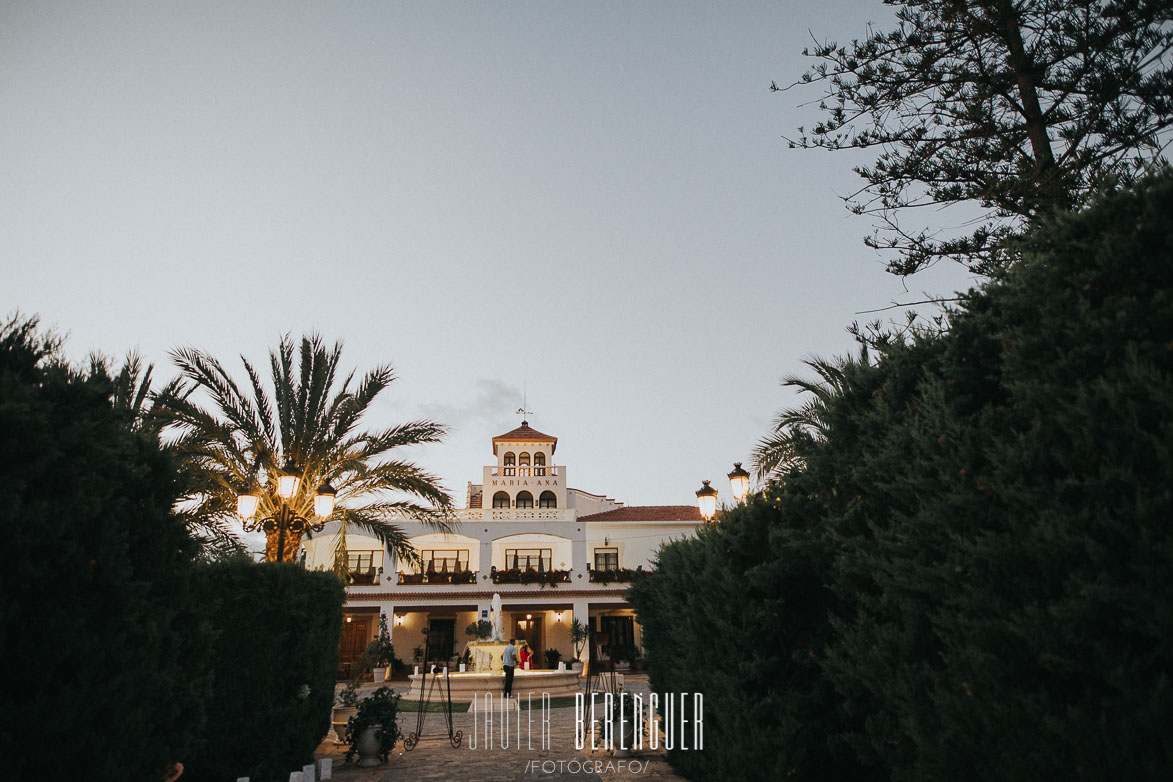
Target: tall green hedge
275,658
969,576
101,643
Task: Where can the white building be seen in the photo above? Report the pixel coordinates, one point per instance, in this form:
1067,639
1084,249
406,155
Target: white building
553,553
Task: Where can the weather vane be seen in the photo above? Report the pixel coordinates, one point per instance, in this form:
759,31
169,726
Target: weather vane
521,411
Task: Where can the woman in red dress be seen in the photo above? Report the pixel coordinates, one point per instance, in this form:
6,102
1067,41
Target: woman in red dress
524,656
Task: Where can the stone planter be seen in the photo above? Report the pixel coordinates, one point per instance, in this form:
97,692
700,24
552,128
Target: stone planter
368,747
342,715
576,666
379,675
629,728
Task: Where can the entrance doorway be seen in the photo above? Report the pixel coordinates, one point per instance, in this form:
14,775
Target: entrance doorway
620,635
528,628
441,633
356,634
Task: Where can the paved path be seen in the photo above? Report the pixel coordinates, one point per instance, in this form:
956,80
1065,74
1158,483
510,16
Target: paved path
435,759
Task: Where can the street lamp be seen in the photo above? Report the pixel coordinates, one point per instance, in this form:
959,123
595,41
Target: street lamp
706,498
286,519
739,482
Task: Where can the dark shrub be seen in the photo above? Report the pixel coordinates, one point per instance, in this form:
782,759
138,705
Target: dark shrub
966,574
274,660
102,652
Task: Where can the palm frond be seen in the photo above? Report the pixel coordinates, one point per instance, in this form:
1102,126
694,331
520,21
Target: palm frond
796,428
382,530
311,419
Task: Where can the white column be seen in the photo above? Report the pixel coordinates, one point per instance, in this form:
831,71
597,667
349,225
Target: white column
578,553
486,562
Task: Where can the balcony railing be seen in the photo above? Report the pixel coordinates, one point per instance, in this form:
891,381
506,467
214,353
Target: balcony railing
543,578
514,471
363,577
515,514
432,577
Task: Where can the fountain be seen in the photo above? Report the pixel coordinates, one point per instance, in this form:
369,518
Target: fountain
498,635
486,655
487,674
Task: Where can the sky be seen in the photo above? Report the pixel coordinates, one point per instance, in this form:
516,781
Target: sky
585,207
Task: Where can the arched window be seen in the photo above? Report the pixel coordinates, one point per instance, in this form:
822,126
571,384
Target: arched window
547,500
510,459
523,459
525,500
540,458
500,500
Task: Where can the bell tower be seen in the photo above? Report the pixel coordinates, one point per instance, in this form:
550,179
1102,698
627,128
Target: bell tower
525,476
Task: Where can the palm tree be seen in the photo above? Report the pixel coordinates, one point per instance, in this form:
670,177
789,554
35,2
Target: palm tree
133,397
132,391
245,437
796,427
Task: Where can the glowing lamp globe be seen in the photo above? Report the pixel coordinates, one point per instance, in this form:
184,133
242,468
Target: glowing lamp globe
706,498
324,500
287,481
739,482
247,504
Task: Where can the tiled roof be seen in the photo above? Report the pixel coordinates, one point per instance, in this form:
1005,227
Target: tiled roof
648,513
525,432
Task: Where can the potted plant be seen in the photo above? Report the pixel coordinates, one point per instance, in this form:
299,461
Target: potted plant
579,635
552,658
345,707
380,652
622,656
373,731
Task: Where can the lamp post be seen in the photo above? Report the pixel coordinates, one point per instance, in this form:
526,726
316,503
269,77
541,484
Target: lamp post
739,482
706,498
286,520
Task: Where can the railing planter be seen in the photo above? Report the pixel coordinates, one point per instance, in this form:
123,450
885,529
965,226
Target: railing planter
618,575
433,577
543,578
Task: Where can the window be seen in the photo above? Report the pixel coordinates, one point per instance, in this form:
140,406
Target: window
540,459
500,500
547,500
525,499
360,561
536,558
445,560
606,559
510,459
523,459
361,566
